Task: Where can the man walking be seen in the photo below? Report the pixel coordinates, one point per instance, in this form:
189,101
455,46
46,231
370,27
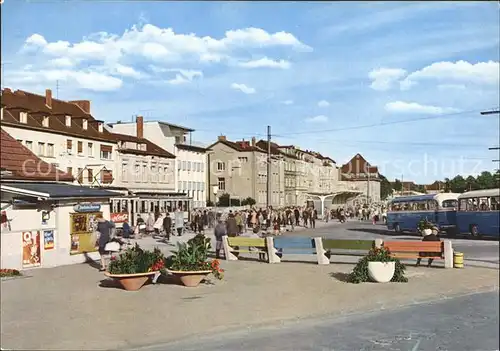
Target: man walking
179,221
167,225
219,232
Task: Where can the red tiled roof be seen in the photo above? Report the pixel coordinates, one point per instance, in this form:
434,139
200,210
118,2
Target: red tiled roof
358,165
34,104
25,165
241,146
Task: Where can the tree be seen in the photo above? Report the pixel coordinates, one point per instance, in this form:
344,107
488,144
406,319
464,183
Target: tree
486,180
385,188
458,184
235,202
210,203
223,200
471,183
398,186
248,202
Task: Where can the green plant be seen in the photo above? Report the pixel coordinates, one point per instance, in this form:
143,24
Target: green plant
424,223
193,256
360,272
136,260
9,273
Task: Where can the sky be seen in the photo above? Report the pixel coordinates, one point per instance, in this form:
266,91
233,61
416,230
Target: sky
402,83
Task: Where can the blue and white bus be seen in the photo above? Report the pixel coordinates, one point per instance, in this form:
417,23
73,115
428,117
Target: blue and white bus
479,213
405,212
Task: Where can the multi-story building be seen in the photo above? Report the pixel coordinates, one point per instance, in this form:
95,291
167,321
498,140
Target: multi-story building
299,177
66,135
189,175
363,176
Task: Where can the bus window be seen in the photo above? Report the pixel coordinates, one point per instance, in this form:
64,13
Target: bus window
432,205
449,204
125,206
483,204
143,207
495,203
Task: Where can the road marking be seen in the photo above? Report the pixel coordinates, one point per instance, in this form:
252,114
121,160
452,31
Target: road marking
415,348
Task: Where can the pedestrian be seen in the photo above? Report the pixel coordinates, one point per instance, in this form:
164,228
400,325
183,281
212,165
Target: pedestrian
179,221
167,225
219,232
429,237
104,231
150,224
314,216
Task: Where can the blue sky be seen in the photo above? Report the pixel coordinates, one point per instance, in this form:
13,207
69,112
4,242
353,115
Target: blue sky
402,83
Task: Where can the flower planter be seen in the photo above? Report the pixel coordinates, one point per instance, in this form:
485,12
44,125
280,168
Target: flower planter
190,278
381,272
132,282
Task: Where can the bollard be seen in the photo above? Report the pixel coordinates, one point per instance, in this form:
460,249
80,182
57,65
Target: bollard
458,260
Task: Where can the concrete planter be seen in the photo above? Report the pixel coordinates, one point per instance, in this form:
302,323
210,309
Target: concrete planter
132,282
190,278
381,272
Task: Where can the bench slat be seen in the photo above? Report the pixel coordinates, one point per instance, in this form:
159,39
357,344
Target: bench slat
348,244
250,251
414,256
413,246
294,243
241,241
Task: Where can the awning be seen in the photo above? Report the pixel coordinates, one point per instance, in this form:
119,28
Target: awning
55,190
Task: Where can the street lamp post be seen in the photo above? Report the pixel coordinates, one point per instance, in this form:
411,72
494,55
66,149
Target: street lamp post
215,190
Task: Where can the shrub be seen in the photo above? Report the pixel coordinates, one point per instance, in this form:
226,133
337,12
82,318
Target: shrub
193,256
136,260
360,272
9,273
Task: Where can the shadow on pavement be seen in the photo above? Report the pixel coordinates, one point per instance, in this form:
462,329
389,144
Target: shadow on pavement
343,277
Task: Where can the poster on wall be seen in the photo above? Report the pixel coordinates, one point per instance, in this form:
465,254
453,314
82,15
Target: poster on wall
48,239
31,249
83,227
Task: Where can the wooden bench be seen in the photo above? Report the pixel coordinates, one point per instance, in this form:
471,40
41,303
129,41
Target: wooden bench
292,245
344,245
234,245
404,249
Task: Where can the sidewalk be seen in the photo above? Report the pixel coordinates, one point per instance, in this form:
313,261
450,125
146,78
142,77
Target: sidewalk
75,307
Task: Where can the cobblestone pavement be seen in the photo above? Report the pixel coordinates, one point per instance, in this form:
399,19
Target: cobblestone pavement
74,307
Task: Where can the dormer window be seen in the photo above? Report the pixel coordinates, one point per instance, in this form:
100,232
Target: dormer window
45,121
141,146
100,127
23,117
85,124
1,113
68,121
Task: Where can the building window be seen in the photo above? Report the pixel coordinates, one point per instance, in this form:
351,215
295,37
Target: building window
29,145
69,146
144,173
222,184
106,152
221,166
68,121
79,147
41,149
69,170
23,117
189,165
190,185
50,150
183,165
106,177
179,165
80,175
85,124
90,175
90,150
153,174
202,167
137,173
184,186
45,121
179,185
165,174
124,172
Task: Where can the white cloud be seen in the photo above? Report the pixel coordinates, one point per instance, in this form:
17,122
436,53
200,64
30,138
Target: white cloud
83,79
243,88
483,73
317,119
127,71
413,107
179,79
385,78
61,62
287,102
156,43
182,76
265,63
452,87
323,103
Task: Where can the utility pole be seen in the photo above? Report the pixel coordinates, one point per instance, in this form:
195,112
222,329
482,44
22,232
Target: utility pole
493,112
57,89
268,166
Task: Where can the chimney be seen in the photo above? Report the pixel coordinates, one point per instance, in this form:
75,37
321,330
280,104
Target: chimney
84,105
222,138
140,126
253,141
48,98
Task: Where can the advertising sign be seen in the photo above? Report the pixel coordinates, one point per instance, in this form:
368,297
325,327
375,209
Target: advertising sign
31,249
119,217
48,239
87,207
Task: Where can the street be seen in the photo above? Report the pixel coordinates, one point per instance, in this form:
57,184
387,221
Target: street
480,252
463,323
